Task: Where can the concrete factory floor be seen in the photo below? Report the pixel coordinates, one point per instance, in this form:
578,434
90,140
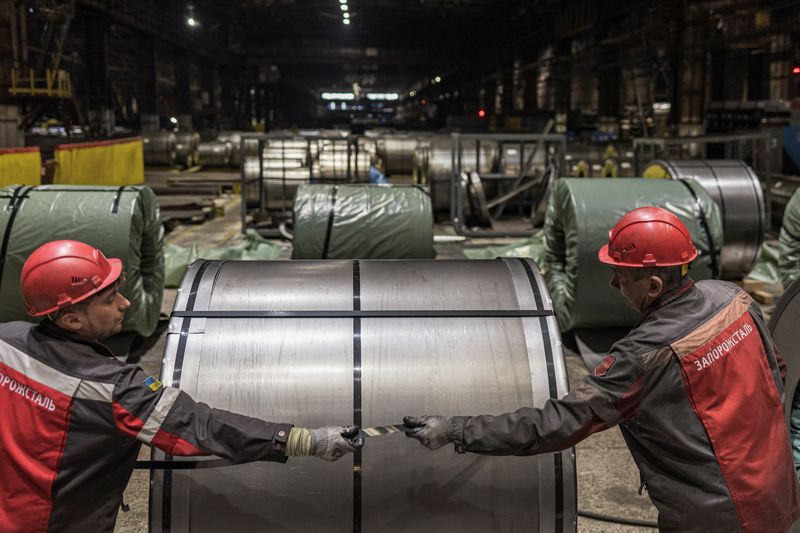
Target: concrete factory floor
607,477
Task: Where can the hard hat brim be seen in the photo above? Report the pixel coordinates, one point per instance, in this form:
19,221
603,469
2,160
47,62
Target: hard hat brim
603,257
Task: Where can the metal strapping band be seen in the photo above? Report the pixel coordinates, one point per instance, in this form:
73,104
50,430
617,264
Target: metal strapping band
356,394
712,247
558,461
115,205
166,504
470,313
329,229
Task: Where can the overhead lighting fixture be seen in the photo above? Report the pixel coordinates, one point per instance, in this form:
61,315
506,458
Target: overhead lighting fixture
191,22
346,15
173,120
344,7
437,79
412,94
342,1
383,96
346,22
338,96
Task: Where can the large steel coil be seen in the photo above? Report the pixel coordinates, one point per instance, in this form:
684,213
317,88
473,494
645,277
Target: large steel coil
187,145
579,216
123,222
397,152
737,191
445,348
235,139
784,330
362,221
214,153
159,147
433,166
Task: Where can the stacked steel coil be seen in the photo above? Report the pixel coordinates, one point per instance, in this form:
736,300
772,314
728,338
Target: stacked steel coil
214,153
159,147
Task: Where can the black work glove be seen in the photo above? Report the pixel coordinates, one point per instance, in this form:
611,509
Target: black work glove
332,442
430,430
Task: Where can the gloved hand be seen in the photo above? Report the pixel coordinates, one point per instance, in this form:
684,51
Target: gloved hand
430,430
328,442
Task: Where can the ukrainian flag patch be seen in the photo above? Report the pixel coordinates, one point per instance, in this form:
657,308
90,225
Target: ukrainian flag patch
153,383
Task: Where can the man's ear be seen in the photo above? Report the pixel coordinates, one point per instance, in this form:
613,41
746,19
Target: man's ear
655,287
70,320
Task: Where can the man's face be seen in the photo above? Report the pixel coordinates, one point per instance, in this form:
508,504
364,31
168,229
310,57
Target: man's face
635,292
103,316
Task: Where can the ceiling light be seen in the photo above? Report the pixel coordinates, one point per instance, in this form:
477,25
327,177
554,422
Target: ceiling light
191,22
344,7
346,21
346,15
342,1
338,96
412,94
437,79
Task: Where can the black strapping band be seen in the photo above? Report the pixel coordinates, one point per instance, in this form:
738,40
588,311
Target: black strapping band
712,247
358,314
166,504
558,460
329,229
17,198
115,205
183,465
357,418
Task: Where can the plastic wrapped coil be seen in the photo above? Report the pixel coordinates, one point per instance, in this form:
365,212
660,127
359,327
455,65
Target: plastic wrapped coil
123,222
431,357
579,216
362,222
737,191
159,147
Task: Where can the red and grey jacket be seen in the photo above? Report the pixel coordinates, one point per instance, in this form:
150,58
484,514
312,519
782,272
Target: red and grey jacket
696,388
72,420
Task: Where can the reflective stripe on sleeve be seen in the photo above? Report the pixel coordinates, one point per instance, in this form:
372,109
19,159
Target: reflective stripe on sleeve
38,371
94,390
159,414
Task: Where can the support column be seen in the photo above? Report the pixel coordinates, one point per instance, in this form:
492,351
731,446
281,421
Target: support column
183,93
101,110
148,87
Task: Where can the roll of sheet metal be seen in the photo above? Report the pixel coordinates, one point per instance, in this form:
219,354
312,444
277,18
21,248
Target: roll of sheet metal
580,214
737,191
783,327
369,370
214,153
363,222
187,144
235,138
397,152
433,166
159,147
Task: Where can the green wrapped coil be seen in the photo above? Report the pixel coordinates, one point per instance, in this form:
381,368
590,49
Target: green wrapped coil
362,222
789,238
579,216
123,222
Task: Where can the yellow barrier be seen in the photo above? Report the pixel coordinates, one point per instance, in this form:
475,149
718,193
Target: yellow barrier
114,162
20,166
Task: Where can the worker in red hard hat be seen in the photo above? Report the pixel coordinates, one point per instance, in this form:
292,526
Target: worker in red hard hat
72,417
695,388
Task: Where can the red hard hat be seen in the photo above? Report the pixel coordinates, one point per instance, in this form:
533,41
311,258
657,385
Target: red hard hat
62,273
648,237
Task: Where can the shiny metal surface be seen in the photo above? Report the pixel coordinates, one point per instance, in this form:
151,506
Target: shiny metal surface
159,147
397,152
302,371
784,328
214,153
187,144
235,138
737,191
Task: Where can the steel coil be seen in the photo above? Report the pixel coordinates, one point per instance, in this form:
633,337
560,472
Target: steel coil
786,335
235,139
187,144
214,153
159,147
397,152
737,191
316,371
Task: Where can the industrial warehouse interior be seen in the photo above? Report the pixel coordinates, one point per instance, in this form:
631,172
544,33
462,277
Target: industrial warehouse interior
236,234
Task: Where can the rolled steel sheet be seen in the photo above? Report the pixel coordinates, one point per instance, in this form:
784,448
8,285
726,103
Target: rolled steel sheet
737,191
235,139
315,371
434,167
159,147
214,153
397,152
187,144
784,330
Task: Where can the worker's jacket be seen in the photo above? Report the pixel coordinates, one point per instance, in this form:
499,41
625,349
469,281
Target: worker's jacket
696,388
72,419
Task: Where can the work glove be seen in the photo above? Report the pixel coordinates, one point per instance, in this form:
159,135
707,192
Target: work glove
328,442
430,430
